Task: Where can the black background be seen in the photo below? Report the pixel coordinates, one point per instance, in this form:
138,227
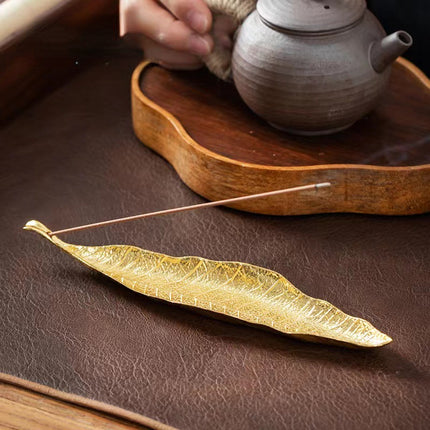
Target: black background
412,16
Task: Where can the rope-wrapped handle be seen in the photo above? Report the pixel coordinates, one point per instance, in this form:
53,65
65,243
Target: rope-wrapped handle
219,61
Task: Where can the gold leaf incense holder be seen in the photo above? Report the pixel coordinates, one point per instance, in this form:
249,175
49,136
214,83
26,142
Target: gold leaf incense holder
242,291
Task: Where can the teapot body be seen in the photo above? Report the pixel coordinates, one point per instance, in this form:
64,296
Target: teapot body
308,83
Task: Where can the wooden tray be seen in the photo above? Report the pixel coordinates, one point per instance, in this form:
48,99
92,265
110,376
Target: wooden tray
220,149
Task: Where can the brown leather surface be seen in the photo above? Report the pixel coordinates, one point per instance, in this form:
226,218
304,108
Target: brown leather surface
71,159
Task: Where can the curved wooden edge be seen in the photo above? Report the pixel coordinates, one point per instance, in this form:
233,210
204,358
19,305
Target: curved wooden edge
355,188
413,69
95,405
136,92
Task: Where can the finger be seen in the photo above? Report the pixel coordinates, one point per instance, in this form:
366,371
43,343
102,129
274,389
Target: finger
124,7
195,13
169,58
161,26
223,30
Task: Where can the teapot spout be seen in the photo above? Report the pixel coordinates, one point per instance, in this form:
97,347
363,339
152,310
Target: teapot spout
385,52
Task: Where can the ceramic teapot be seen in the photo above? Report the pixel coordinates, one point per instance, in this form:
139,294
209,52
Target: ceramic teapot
313,67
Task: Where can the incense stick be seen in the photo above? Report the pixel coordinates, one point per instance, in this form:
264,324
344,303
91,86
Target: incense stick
193,207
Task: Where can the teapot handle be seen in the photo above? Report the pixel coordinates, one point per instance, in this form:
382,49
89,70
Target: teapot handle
219,61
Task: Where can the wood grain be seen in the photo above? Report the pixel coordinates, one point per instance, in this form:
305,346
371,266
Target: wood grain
221,149
26,405
22,409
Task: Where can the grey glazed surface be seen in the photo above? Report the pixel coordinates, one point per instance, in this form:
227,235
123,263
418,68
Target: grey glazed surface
312,82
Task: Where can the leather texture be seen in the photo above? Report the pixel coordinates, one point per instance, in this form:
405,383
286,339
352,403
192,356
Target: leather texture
73,159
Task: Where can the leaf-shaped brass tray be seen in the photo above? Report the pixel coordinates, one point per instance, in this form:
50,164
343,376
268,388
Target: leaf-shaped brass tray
249,293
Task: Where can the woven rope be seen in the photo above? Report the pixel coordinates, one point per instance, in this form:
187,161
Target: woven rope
219,61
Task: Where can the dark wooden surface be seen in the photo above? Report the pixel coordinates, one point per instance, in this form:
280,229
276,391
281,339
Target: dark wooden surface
220,149
69,39
396,134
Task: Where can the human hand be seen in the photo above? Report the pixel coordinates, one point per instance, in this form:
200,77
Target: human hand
174,33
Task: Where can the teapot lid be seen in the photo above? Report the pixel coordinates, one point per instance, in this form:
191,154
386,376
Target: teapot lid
311,15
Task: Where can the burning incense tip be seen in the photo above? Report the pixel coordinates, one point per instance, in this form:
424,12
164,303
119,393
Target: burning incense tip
323,185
